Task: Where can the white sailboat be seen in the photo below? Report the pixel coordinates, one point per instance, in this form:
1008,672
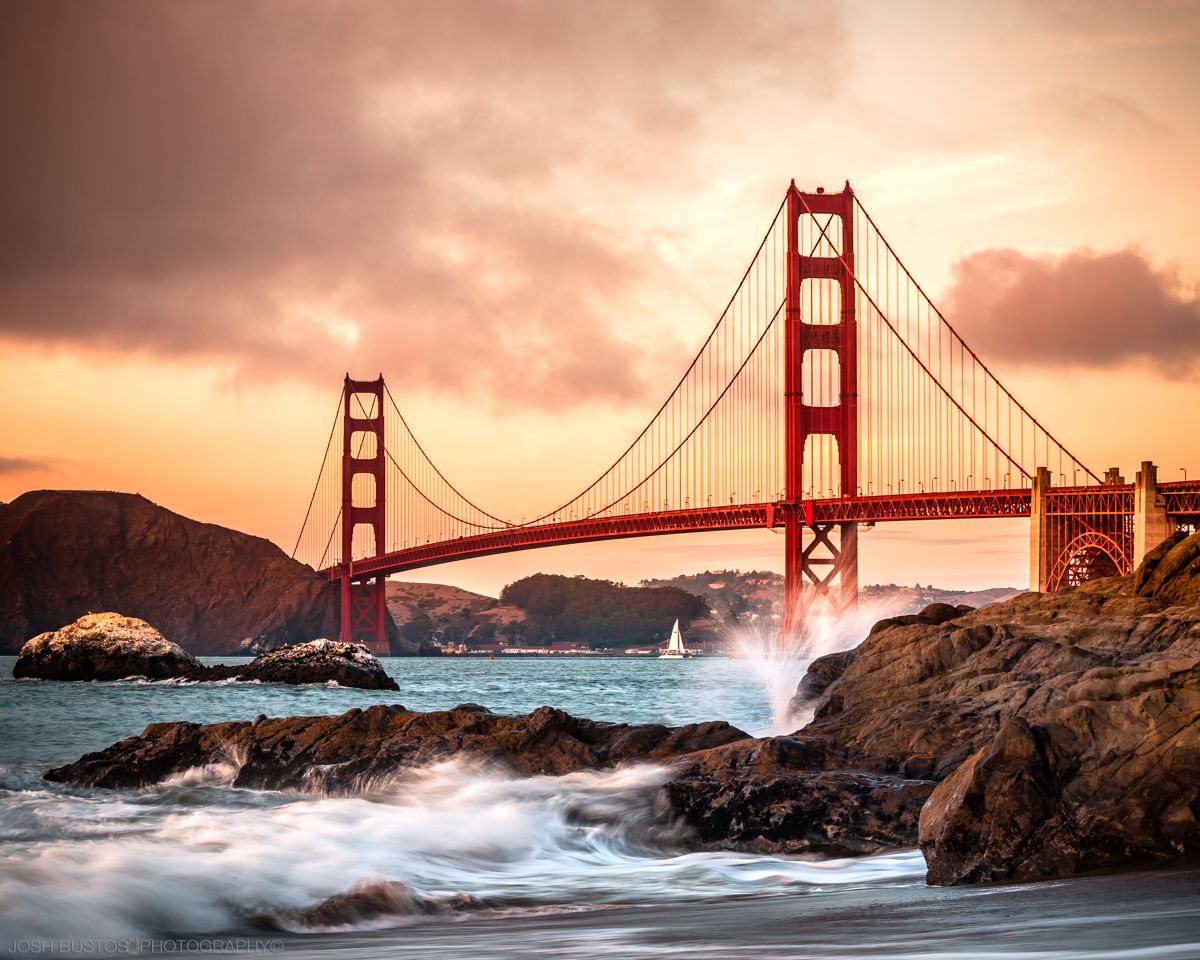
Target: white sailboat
675,649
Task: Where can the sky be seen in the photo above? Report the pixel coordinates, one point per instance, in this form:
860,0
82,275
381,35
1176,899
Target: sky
527,216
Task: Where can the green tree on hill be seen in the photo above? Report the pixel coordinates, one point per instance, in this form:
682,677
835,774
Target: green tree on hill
598,612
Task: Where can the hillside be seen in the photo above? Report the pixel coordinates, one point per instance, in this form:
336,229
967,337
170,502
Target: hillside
427,612
539,610
599,613
66,553
747,597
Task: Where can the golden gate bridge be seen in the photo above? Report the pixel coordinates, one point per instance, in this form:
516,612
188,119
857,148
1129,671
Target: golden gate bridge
830,393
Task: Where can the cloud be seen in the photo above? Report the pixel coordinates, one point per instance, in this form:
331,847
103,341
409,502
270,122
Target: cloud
1081,309
22,465
413,187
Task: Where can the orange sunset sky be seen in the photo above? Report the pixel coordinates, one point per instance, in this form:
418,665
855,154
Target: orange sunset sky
528,216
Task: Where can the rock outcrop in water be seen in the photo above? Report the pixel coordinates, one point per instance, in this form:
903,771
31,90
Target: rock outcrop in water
66,553
350,751
1065,728
317,661
109,646
105,646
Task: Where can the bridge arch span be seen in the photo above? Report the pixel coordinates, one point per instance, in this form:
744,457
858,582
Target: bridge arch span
1088,556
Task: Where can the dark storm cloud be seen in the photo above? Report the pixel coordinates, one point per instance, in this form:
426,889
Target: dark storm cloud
1085,308
298,189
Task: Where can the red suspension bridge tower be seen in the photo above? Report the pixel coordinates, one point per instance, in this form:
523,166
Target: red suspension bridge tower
823,565
364,451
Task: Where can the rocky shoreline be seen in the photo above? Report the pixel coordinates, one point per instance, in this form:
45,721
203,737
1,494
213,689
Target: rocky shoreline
1038,737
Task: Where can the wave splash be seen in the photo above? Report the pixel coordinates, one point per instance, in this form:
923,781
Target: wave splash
195,856
779,663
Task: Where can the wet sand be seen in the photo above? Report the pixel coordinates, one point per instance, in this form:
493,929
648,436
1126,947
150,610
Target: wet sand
1152,915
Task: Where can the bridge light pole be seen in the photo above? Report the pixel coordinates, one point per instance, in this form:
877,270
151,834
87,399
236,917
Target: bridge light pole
1184,471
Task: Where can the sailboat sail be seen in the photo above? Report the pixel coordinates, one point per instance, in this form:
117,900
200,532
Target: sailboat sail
675,648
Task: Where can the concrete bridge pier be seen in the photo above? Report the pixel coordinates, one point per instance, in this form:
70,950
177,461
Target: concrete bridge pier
1039,566
1151,523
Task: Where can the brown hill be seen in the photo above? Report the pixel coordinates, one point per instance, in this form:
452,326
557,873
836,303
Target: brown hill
437,613
66,553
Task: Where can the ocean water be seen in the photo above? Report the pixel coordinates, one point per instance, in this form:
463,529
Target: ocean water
56,722
463,860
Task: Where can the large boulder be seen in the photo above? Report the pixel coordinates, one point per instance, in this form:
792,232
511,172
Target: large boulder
1171,571
984,817
1110,779
318,661
105,646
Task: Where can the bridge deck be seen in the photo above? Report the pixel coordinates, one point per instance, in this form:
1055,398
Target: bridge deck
933,506
1181,499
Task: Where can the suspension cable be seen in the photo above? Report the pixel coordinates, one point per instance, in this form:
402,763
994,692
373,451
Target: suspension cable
320,473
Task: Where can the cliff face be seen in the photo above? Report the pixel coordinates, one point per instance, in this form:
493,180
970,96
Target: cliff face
66,553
